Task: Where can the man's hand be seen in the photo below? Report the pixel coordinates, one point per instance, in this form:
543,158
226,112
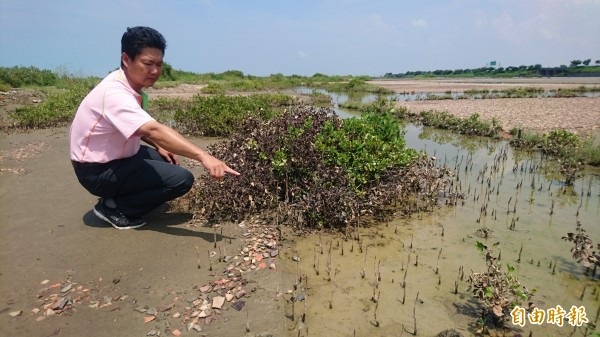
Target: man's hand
168,156
168,142
215,167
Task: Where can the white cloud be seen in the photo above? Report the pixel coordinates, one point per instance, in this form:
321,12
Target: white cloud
302,54
373,24
419,23
506,29
376,20
546,20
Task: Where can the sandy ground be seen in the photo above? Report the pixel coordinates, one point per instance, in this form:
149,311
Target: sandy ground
184,91
50,240
579,114
460,84
49,236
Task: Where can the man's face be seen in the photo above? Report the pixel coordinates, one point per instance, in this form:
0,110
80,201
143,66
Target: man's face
145,69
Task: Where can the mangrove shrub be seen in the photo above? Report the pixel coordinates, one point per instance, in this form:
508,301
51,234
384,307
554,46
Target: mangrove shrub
312,168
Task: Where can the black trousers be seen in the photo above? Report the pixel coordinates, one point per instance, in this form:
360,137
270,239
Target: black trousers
137,184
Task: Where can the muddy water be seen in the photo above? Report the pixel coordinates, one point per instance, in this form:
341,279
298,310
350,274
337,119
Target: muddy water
418,258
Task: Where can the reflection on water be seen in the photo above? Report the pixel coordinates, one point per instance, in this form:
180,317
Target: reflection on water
336,99
511,195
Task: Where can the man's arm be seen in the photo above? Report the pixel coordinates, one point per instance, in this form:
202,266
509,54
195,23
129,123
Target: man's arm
160,135
150,142
168,156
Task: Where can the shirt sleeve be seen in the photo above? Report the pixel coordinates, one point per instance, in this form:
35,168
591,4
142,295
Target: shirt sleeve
124,112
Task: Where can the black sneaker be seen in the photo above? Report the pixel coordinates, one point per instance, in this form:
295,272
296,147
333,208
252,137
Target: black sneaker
116,218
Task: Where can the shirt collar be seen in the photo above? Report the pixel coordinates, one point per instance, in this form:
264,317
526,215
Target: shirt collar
142,97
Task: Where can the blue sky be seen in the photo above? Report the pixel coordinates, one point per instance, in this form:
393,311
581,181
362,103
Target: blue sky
334,37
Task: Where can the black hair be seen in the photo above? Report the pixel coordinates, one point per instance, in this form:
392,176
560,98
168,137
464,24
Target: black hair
137,38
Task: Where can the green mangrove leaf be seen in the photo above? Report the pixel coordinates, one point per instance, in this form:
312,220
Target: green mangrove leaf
479,246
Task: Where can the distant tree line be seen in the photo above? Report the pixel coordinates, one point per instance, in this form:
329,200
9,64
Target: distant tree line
510,71
577,63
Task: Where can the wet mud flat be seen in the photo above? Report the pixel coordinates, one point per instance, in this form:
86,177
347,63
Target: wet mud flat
390,278
53,247
66,273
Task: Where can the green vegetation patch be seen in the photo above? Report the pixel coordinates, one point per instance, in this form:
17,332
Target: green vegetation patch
57,109
237,81
571,150
320,99
473,125
17,77
379,105
357,84
308,167
365,147
221,115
